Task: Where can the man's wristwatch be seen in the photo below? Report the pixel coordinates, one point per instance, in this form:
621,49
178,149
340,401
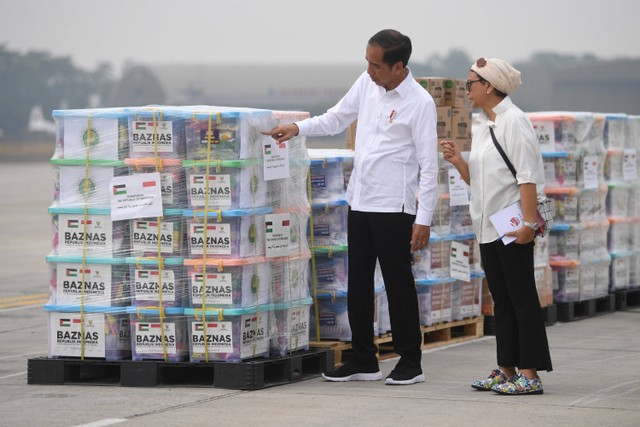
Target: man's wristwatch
531,225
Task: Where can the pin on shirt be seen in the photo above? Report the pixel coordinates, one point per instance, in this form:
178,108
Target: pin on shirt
392,115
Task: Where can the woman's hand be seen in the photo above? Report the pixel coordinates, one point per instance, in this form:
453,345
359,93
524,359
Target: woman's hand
451,152
523,235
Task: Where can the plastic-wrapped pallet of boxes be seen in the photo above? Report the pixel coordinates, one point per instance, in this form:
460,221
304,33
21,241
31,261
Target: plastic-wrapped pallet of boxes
621,141
574,155
327,235
219,272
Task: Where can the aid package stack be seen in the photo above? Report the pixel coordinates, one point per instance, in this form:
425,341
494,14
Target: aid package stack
165,244
447,272
621,137
328,177
574,154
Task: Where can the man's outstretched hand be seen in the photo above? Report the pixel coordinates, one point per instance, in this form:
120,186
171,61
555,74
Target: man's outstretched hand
283,133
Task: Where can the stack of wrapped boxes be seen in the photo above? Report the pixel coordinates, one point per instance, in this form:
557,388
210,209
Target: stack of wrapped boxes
219,275
573,153
443,294
328,177
621,142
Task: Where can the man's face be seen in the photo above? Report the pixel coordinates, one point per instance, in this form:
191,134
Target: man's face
389,77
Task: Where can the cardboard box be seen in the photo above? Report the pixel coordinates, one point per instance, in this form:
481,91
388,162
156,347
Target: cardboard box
443,123
455,93
544,285
435,87
461,123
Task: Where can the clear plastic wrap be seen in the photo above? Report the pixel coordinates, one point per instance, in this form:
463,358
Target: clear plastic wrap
140,263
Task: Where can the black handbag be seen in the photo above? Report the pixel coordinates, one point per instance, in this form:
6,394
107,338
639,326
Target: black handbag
546,210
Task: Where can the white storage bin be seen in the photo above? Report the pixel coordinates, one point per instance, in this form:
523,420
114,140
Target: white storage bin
230,234
289,279
107,281
150,328
434,300
102,131
150,285
156,132
333,317
290,327
98,332
93,235
228,335
230,184
225,133
229,283
566,280
329,224
331,271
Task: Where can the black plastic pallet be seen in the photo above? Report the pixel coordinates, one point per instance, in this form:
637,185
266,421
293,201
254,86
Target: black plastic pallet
578,310
250,375
627,298
549,313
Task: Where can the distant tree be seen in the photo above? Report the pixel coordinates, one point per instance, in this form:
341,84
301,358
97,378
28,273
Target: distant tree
138,86
557,60
36,78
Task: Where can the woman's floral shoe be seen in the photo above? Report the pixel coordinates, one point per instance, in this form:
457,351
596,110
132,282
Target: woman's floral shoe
495,378
520,384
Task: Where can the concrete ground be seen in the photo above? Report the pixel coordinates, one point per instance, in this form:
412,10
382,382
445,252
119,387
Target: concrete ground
596,381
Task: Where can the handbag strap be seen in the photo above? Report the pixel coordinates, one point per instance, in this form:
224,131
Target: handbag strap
502,153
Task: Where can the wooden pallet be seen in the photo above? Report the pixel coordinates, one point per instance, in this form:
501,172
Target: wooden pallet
437,335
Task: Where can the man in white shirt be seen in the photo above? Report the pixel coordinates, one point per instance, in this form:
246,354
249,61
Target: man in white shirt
395,163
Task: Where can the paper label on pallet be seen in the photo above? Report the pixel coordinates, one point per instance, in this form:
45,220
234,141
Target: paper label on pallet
219,288
254,335
459,261
74,231
630,165
218,188
545,131
97,284
148,338
68,336
144,236
136,196
458,189
276,160
102,140
278,234
149,136
218,239
219,337
147,285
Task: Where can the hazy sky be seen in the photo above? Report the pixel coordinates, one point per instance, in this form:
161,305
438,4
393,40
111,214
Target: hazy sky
295,31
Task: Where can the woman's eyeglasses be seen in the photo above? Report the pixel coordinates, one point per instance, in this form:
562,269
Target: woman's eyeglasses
470,82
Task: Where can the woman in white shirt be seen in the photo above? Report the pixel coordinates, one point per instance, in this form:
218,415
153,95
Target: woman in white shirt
522,347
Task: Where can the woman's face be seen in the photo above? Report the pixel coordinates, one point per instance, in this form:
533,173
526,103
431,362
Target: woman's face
476,90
